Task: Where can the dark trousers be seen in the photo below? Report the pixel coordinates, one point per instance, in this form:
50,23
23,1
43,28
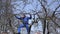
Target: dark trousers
21,26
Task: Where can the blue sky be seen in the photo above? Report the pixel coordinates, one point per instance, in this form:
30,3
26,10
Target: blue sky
32,6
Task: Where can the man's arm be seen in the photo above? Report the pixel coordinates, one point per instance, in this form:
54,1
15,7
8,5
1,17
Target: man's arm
18,17
30,16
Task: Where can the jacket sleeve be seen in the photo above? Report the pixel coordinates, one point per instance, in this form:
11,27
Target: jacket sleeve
18,17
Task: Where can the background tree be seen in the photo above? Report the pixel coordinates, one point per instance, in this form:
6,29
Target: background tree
47,10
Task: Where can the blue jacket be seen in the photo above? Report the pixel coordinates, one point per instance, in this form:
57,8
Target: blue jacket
25,19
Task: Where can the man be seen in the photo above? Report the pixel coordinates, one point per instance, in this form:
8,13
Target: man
24,19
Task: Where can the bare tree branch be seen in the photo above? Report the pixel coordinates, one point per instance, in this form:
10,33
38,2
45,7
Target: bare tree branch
55,11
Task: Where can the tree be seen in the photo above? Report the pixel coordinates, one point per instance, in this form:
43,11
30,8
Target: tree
49,14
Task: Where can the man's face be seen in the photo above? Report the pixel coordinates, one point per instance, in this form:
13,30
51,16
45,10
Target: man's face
22,16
